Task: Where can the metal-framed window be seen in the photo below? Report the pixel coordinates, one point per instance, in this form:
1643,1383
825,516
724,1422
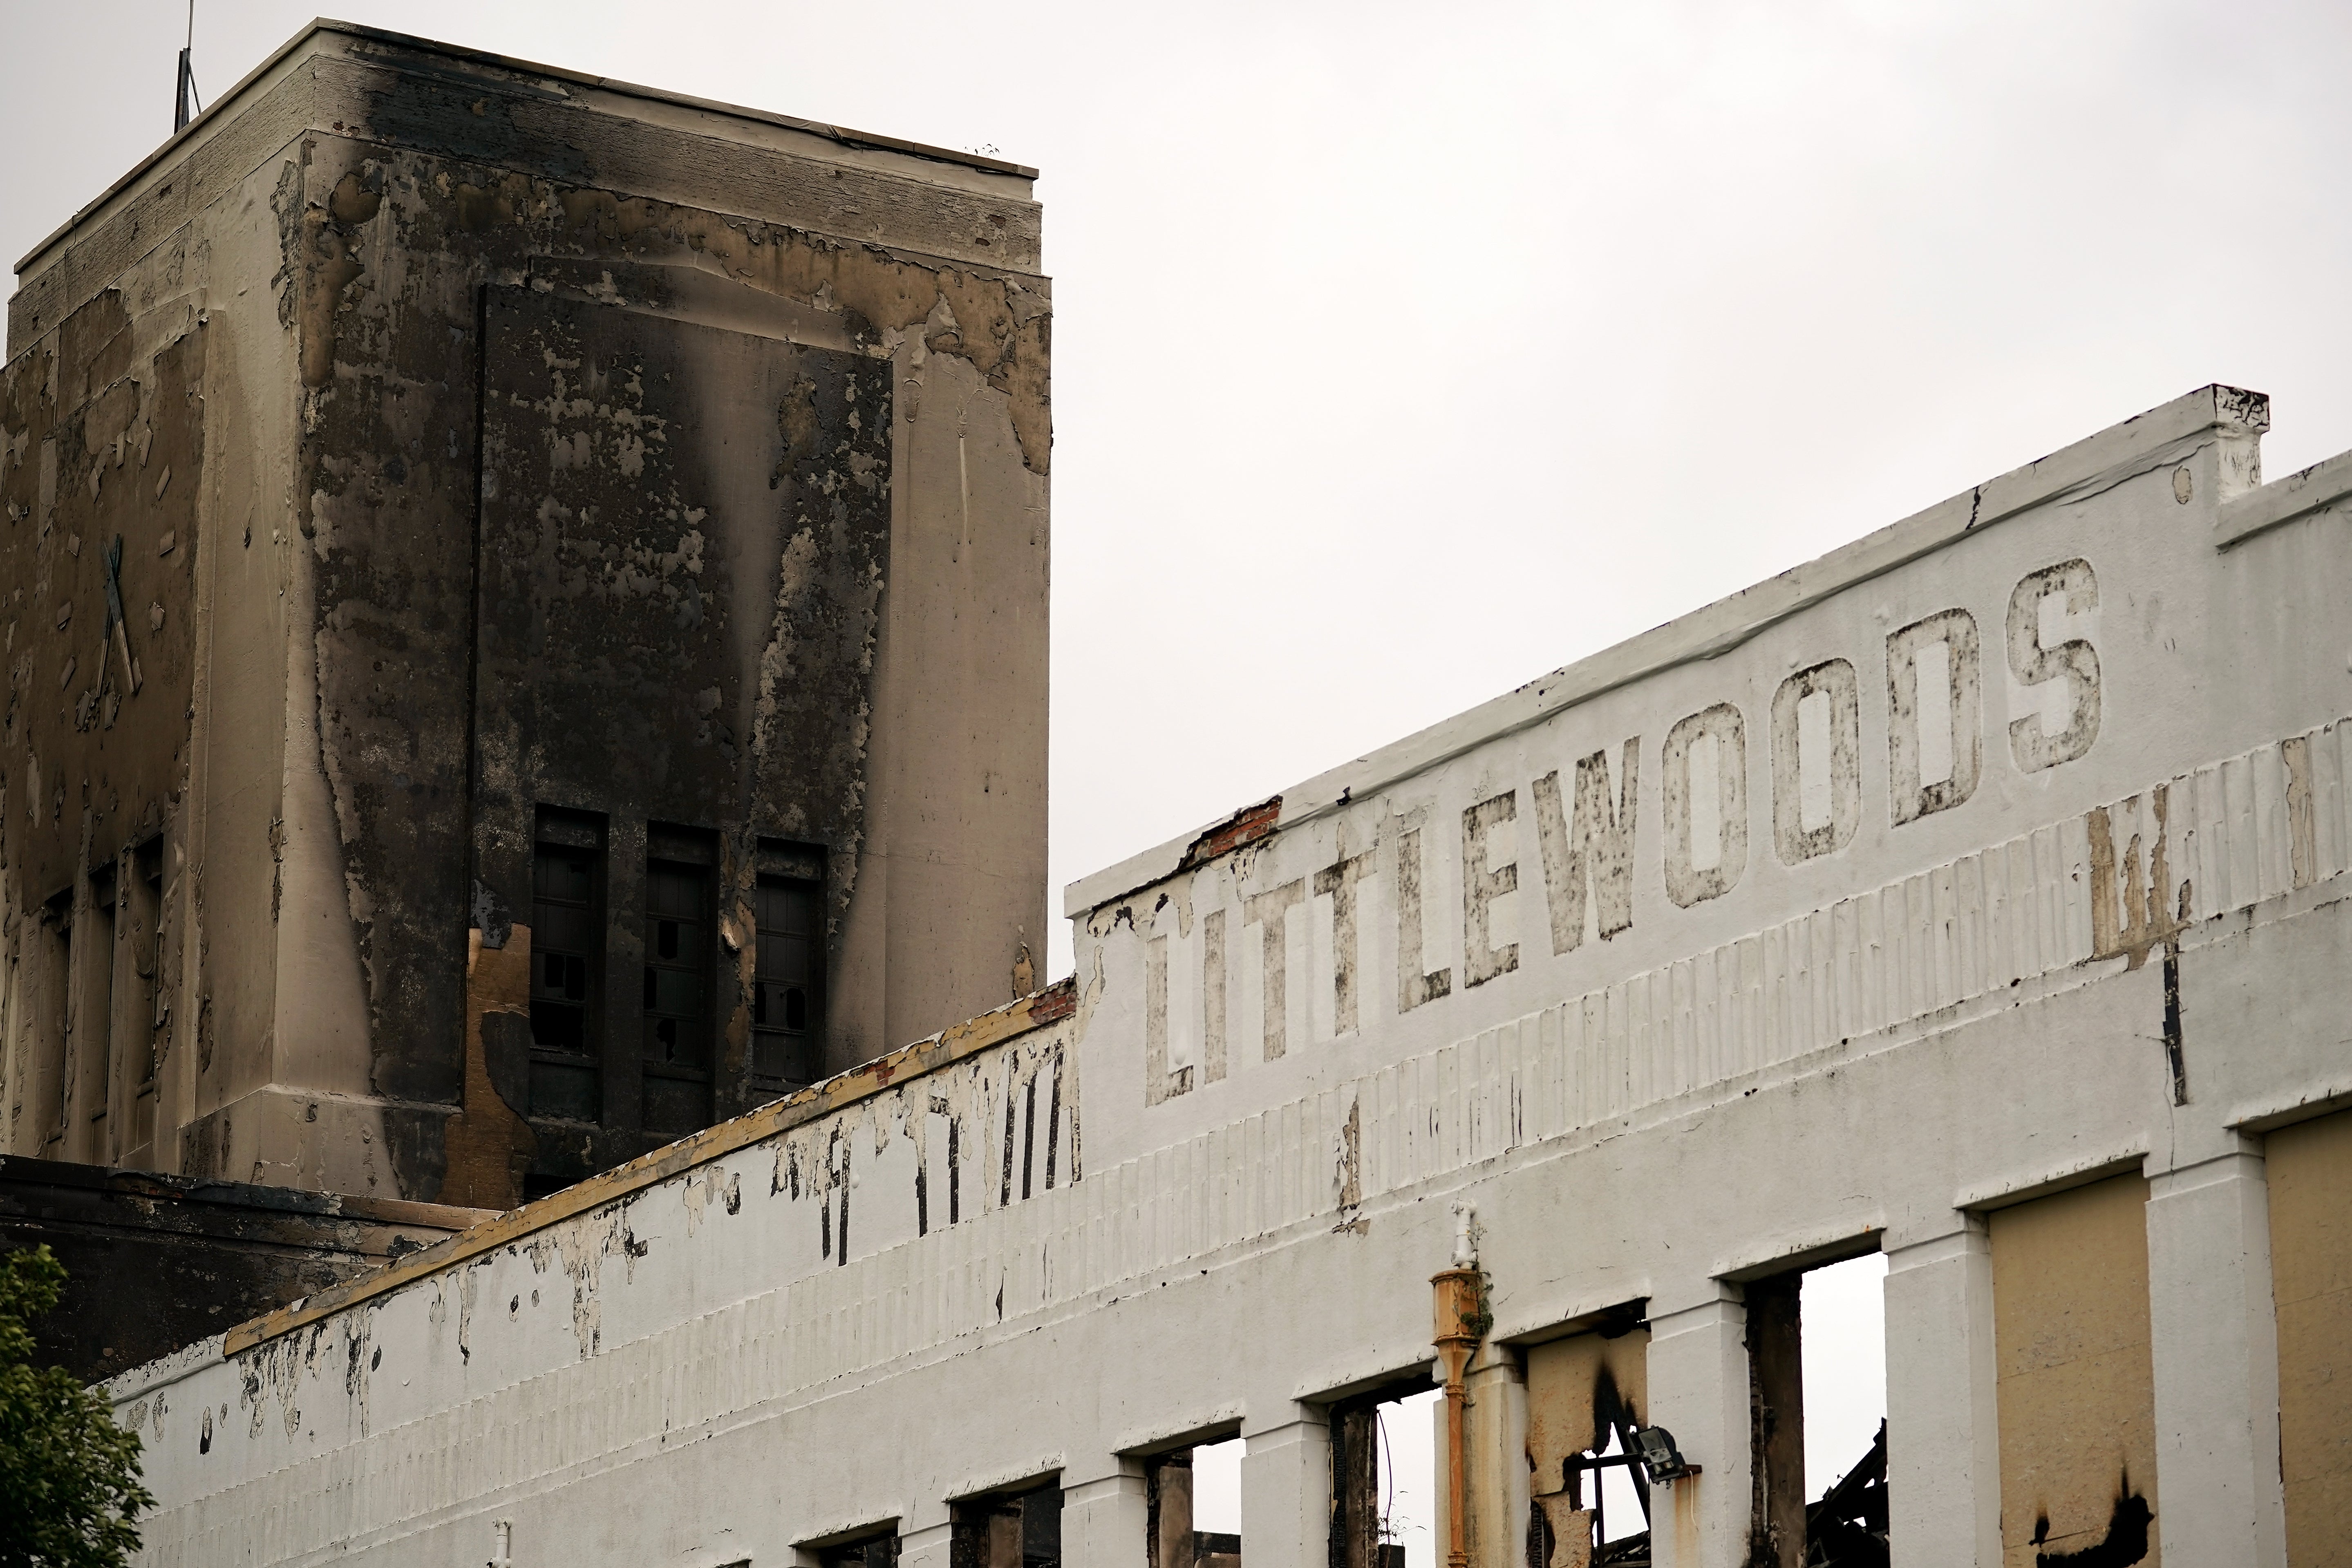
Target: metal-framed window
567,948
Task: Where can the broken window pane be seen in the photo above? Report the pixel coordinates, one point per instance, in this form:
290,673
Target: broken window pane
786,1011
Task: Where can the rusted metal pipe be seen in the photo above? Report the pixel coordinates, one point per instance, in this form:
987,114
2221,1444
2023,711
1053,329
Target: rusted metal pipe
1460,1310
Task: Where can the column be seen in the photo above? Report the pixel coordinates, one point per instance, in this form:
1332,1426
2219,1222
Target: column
1287,1491
2213,1338
1698,1392
1943,1434
1495,1446
927,1538
1105,1520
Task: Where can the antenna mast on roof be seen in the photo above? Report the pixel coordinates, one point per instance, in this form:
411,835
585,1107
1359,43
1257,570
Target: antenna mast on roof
184,106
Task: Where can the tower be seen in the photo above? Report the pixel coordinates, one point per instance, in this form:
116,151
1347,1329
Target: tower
526,601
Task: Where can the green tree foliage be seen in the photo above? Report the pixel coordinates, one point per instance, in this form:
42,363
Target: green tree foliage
69,1475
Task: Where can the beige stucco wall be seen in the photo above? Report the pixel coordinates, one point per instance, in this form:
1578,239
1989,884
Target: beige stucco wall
2311,1252
2077,1390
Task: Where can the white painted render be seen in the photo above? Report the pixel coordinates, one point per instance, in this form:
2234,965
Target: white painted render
1892,1018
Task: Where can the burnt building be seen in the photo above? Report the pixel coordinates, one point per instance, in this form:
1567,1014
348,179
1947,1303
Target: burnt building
154,1263
524,602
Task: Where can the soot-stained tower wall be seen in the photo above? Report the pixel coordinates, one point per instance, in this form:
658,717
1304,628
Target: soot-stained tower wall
583,670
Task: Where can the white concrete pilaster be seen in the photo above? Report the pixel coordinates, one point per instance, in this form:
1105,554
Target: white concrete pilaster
925,1545
1698,1392
1105,1522
1943,1435
1495,1439
2213,1339
1287,1492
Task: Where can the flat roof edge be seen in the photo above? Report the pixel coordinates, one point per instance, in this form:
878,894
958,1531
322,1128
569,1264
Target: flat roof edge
2298,495
1025,1015
843,134
1712,630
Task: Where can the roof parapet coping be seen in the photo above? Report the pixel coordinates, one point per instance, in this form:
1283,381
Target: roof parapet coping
289,54
950,1045
2283,500
2163,435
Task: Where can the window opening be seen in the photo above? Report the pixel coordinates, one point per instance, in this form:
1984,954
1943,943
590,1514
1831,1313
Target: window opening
567,933
872,1551
787,997
1010,1530
1384,1479
1609,1483
1817,1385
676,996
147,961
96,1014
1193,1504
1589,1489
149,1011
1842,1325
57,1001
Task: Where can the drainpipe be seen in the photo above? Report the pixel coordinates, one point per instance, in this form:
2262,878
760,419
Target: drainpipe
1462,1320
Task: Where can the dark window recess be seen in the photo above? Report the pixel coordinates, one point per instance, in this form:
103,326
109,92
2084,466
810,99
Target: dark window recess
1170,1540
97,996
566,936
147,959
787,998
874,1552
676,1050
61,1019
1020,1530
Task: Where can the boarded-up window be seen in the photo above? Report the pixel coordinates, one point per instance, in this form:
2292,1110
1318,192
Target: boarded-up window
2310,1169
676,996
2077,1390
567,933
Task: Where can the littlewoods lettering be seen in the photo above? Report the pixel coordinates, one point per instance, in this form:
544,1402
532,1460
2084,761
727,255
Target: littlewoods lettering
1586,820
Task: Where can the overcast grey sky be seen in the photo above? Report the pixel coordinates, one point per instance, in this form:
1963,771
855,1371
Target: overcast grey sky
1403,354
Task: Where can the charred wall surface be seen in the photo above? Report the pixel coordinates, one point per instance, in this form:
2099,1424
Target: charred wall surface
102,457
685,532
154,1263
669,473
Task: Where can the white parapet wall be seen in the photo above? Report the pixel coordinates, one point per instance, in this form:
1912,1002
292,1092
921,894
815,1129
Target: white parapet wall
1997,855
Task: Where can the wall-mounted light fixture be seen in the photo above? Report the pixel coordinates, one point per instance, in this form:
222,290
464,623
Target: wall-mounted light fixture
1661,1460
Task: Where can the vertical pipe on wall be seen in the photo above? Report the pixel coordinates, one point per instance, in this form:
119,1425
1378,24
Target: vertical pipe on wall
1461,1322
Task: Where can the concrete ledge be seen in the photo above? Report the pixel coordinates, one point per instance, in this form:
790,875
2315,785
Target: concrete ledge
2297,495
202,126
2161,435
2005,1194
1011,1021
